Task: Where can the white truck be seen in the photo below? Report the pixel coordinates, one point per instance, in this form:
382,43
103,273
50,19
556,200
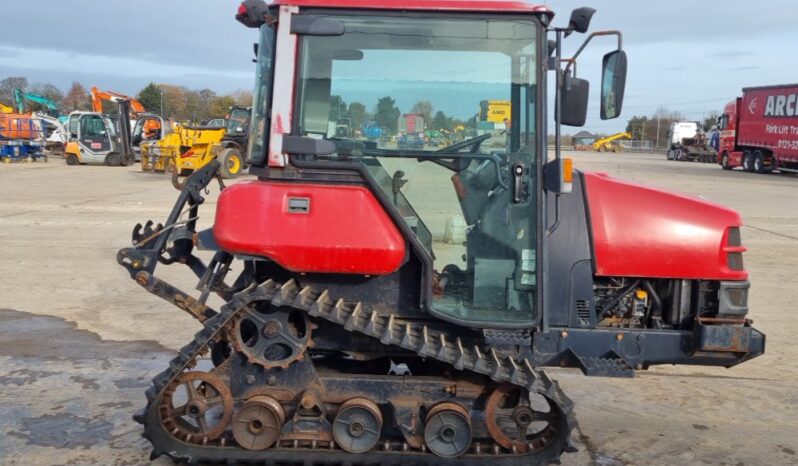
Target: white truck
687,141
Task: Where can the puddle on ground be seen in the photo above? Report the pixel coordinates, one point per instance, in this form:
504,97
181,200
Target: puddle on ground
24,334
63,431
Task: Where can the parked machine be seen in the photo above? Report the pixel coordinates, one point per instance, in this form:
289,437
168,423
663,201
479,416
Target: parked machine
98,96
351,332
188,148
97,140
21,138
58,137
21,97
756,130
608,143
688,141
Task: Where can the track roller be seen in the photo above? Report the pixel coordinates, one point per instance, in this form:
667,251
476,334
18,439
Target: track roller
448,430
257,424
357,425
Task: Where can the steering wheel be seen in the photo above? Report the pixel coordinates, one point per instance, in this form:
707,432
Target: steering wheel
457,165
474,143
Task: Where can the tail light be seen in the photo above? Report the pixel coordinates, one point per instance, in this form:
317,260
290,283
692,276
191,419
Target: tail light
734,248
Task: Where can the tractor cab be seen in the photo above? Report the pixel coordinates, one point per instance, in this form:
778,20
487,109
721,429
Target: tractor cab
237,126
469,207
147,130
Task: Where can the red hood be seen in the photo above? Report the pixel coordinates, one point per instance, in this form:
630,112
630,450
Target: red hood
640,231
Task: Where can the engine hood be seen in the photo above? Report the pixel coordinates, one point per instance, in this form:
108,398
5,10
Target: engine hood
639,231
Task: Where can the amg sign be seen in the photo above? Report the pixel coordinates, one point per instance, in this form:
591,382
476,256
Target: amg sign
781,106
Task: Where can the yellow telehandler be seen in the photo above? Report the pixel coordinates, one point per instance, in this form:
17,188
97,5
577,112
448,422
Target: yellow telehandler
608,144
188,148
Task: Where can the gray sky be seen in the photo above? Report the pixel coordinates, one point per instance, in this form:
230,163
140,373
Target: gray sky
690,56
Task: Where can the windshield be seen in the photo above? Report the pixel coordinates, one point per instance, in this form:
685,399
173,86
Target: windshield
238,121
441,112
426,83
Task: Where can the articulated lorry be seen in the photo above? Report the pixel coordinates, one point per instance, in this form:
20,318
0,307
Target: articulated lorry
759,131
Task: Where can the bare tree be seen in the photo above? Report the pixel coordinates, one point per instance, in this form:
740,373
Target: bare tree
8,85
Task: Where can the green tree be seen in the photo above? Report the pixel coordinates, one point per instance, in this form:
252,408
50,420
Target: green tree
150,97
338,108
711,120
76,98
8,85
440,121
387,114
358,114
194,108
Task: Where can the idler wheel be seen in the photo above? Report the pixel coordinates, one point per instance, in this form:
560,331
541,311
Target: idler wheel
197,405
357,425
257,424
520,422
448,430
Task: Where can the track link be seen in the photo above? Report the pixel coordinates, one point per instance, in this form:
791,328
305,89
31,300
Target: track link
353,317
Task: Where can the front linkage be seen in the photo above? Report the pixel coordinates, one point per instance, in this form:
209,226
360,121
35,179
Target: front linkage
174,242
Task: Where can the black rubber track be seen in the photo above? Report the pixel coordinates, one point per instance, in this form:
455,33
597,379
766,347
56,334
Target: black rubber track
352,317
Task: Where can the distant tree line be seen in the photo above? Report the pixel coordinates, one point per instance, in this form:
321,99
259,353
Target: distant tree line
385,114
655,127
172,101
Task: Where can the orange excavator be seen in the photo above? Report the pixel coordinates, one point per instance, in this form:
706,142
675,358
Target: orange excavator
97,97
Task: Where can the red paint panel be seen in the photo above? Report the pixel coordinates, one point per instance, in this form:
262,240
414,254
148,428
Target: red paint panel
502,6
639,231
345,229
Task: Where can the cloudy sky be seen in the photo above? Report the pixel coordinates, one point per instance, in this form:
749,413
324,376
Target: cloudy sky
686,55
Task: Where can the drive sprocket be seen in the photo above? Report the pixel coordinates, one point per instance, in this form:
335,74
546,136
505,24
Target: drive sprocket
270,336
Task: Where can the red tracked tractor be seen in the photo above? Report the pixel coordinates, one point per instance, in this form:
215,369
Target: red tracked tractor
395,306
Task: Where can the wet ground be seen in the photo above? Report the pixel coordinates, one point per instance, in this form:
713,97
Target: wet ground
66,395
79,340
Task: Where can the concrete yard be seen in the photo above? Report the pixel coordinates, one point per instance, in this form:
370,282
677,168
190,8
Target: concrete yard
79,340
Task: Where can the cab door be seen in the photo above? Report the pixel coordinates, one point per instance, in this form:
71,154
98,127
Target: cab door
93,137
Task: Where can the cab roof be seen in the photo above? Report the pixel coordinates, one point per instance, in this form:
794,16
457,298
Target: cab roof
492,6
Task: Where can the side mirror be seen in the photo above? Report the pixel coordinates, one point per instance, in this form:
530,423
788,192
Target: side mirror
574,102
580,19
613,83
252,13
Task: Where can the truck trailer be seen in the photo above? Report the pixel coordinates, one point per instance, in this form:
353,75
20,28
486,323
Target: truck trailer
687,141
759,131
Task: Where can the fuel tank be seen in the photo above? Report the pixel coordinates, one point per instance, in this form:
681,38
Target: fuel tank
639,231
309,228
